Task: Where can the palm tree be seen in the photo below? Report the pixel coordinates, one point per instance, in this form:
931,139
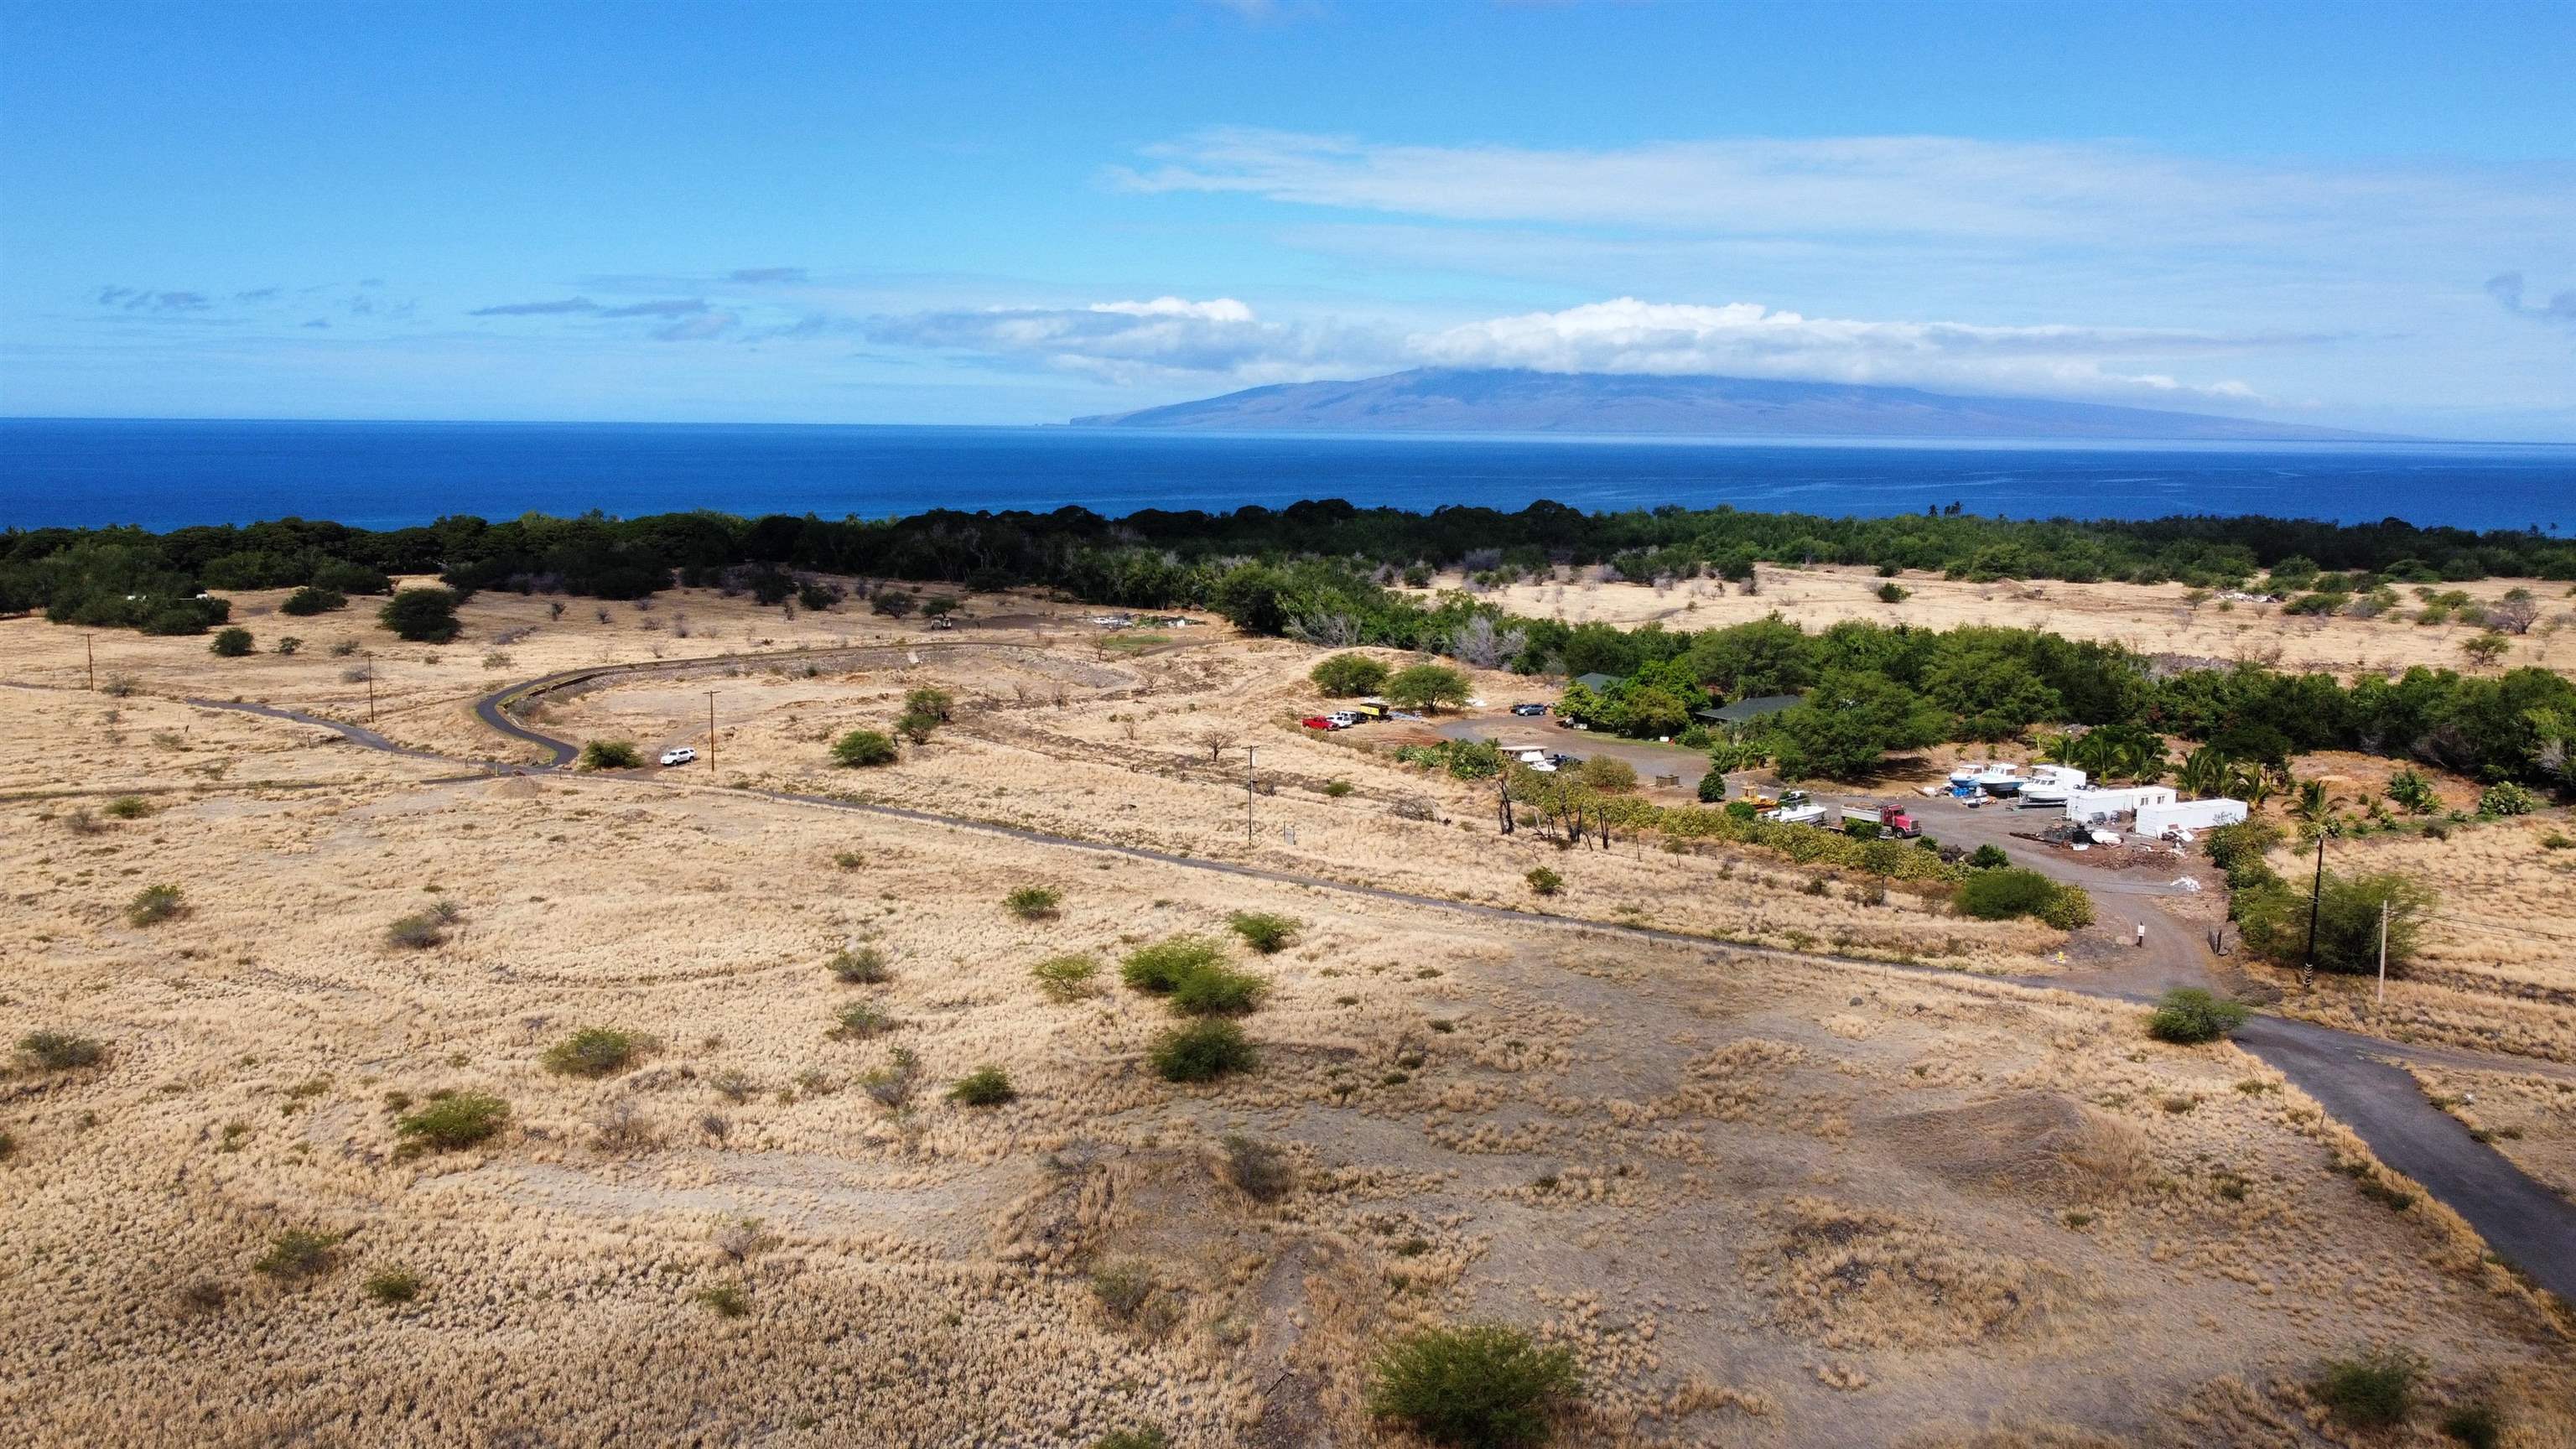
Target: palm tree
2207,771
2058,749
2145,760
2314,809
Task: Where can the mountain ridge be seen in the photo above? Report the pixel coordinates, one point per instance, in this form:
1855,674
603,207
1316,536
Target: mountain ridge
1473,400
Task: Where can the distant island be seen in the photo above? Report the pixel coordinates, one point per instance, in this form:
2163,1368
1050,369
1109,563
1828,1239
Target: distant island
1460,400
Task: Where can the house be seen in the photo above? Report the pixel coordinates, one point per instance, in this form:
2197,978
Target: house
1745,712
2091,807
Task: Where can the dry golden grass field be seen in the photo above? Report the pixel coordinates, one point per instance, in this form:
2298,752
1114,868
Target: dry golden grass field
2150,618
1765,1201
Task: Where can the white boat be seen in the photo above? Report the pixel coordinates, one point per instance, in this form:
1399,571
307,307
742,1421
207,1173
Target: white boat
2050,784
1967,774
2001,780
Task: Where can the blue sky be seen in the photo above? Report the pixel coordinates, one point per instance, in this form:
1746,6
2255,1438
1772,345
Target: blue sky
2348,215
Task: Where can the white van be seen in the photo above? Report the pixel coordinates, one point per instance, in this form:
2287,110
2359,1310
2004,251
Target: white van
681,756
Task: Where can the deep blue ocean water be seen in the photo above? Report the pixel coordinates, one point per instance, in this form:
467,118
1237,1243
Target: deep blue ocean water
379,475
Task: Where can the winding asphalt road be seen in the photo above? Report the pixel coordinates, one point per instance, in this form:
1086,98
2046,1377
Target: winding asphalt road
2350,1075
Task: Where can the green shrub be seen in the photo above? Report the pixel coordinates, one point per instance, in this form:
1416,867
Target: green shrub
2069,910
1202,1051
860,966
725,1300
611,755
892,1084
2373,1389
1160,968
861,1020
1146,1437
1348,674
2189,1015
446,1123
1033,903
288,644
860,749
1337,788
1608,774
424,616
1479,1385
1217,991
2477,1425
299,1255
1892,593
1066,978
310,600
595,1051
2506,799
231,643
127,807
393,1285
416,932
986,1086
2001,894
60,1051
1988,857
1123,1288
2273,920
1544,882
154,904
1265,931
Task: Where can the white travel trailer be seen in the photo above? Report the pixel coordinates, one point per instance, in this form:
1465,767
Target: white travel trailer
2155,820
2089,807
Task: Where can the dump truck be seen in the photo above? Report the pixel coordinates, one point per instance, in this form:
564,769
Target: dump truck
1890,819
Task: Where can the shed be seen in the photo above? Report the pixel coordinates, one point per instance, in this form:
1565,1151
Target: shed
2155,820
2086,807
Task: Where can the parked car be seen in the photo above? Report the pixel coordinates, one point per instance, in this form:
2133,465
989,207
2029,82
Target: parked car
1529,709
680,756
1318,722
1342,719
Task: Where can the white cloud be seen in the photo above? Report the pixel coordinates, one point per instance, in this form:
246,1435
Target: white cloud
2064,193
1130,341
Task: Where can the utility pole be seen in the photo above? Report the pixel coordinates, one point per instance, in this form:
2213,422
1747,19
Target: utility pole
2316,894
711,733
371,686
1247,796
92,649
2383,951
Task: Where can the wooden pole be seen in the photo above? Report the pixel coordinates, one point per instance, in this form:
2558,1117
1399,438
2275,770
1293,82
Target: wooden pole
371,686
711,733
2316,894
2383,951
1247,796
91,647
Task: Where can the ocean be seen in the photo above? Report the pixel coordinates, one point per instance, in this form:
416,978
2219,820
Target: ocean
167,474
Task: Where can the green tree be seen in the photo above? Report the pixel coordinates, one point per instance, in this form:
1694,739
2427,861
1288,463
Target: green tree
424,616
1848,723
1426,687
231,643
862,748
1344,675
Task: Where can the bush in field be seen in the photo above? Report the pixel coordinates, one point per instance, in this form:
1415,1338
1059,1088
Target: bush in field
2370,1390
1033,903
460,1119
299,1255
1217,991
1066,978
860,966
60,1051
892,1084
1343,675
1608,775
154,904
424,616
860,1020
416,932
2273,919
2189,1015
1544,882
1201,1051
611,755
2004,892
986,1086
2506,799
128,807
2069,910
1160,968
595,1051
1988,857
861,748
231,643
1147,1437
310,600
1258,1170
1265,931
1483,1385
390,1286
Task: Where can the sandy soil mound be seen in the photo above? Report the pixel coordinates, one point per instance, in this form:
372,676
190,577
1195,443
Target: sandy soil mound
2034,1145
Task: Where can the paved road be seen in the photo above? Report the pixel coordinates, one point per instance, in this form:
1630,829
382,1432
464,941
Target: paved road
2524,1222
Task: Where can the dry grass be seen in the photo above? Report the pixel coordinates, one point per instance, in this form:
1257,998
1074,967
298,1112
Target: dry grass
2530,1119
2153,619
1758,1198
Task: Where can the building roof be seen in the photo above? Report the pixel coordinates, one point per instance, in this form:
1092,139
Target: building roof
1596,682
1744,710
